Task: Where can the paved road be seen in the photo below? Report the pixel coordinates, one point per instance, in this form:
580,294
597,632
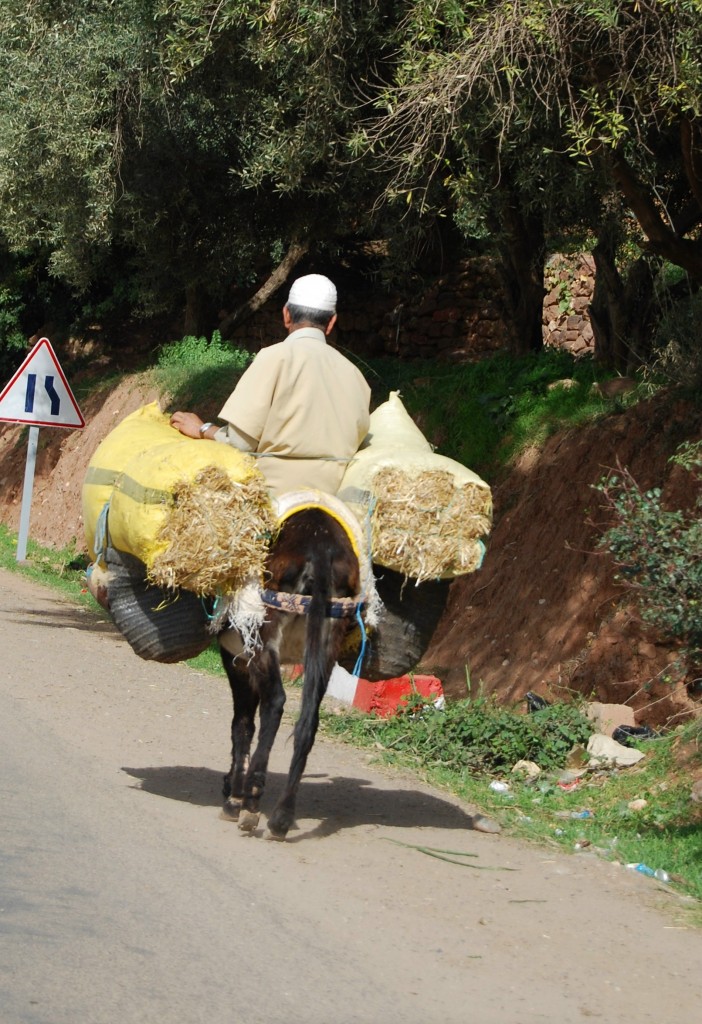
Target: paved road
124,899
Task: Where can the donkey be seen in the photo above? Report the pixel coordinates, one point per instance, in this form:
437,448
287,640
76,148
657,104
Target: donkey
312,584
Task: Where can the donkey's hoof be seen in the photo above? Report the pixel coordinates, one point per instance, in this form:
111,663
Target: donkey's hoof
248,821
231,810
280,823
277,837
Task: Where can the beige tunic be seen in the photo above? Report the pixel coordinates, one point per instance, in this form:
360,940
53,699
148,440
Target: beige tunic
305,409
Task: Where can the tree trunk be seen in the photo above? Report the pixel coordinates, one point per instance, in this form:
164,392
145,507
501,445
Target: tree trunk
623,312
664,237
292,257
523,256
606,306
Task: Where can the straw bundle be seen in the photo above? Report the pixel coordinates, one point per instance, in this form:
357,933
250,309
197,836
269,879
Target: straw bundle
197,514
426,527
426,512
216,534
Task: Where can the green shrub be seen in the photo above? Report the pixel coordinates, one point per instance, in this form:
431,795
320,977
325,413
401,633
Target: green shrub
657,554
198,373
479,735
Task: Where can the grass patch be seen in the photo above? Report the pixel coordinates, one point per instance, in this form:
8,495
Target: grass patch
199,374
475,742
482,414
209,661
62,570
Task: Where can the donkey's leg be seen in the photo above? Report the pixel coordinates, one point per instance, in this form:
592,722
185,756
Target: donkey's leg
266,677
313,690
243,728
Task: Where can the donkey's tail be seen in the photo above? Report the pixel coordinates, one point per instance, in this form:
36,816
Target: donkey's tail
319,653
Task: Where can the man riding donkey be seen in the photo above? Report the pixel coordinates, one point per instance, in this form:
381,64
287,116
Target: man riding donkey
302,409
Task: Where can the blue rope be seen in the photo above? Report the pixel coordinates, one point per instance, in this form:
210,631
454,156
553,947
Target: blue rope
364,637
359,617
483,551
101,541
210,615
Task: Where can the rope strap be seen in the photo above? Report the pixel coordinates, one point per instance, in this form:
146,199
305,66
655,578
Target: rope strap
299,604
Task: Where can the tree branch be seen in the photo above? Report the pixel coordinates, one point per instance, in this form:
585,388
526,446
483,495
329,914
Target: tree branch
278,277
662,238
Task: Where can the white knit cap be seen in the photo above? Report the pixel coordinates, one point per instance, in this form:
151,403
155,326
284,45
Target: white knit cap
314,291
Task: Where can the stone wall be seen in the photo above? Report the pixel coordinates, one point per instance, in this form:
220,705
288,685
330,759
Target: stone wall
566,323
458,318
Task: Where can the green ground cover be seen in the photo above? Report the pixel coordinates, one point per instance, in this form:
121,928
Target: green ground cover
476,742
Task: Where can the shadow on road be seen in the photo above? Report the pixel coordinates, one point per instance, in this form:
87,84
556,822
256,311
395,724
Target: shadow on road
65,618
335,802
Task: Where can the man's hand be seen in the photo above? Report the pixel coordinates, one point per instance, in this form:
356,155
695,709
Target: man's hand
187,423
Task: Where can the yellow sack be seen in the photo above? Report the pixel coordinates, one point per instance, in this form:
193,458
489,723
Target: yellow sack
196,513
141,430
427,512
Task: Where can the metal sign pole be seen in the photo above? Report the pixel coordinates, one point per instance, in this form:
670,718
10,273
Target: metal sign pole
32,444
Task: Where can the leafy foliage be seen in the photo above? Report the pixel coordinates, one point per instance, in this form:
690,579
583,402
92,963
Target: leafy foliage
657,553
12,339
479,735
199,373
484,413
169,152
536,75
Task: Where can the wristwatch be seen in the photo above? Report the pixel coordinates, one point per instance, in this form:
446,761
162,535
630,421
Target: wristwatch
204,428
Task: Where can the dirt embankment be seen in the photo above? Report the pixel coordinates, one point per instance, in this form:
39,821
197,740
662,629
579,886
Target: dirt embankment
542,614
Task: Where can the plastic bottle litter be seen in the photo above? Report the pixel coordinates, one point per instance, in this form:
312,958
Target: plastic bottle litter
581,815
644,869
499,787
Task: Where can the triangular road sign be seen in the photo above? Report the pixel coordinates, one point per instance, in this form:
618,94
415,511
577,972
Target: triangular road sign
39,392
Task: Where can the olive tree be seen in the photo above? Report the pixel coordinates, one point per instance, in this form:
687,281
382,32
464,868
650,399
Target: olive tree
519,107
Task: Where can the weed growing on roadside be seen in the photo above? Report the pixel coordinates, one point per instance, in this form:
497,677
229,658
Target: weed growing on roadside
602,812
64,569
476,735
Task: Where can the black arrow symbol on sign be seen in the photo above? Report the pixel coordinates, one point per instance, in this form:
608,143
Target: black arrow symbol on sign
29,396
54,397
